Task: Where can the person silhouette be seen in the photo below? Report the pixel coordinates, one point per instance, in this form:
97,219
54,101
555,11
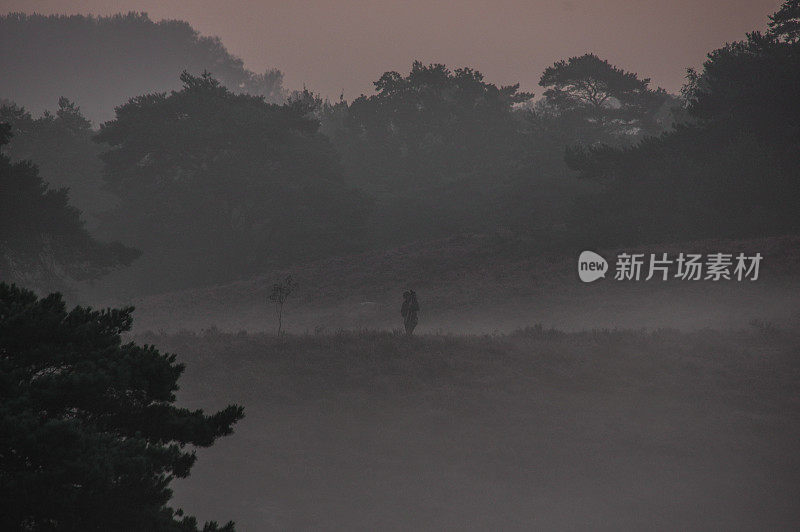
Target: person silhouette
409,311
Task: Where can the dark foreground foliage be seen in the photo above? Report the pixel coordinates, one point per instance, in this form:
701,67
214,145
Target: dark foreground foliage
90,438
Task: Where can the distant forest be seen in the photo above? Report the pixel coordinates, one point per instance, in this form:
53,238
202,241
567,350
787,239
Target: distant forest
208,172
100,62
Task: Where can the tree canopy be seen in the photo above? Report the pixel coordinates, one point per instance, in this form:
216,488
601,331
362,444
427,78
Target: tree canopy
215,184
211,182
90,437
101,61
430,127
750,86
61,144
43,240
732,171
785,23
603,100
439,149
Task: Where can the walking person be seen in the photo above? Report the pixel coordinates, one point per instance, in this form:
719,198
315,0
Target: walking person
409,311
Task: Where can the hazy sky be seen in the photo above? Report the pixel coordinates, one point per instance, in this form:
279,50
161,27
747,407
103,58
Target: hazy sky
344,46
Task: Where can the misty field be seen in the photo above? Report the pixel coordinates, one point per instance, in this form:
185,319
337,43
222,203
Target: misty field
478,284
537,429
202,265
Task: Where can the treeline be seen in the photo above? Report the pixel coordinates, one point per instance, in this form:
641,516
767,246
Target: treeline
100,62
214,184
446,152
44,240
730,169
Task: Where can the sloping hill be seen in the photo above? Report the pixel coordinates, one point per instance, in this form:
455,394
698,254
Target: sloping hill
485,283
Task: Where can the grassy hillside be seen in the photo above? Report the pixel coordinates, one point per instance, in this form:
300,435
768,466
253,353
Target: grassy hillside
540,429
480,284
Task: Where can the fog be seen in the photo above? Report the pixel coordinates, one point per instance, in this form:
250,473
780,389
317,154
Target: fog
607,432
429,287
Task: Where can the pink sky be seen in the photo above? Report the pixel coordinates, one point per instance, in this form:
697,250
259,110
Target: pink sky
343,46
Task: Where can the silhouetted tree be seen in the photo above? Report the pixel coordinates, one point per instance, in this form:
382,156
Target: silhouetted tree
785,23
101,61
438,148
90,438
432,126
43,240
602,101
216,185
732,171
61,144
750,86
279,294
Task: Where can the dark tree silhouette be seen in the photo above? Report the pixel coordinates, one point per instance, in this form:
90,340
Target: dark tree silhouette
785,23
433,126
732,171
604,100
43,240
90,437
279,294
99,62
61,145
214,185
438,148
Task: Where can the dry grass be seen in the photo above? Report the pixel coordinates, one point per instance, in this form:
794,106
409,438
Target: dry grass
480,284
539,429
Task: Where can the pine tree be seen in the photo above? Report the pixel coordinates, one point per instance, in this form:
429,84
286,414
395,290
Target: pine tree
90,437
